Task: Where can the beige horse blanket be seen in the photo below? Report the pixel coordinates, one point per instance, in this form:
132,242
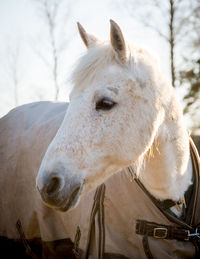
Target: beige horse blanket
25,134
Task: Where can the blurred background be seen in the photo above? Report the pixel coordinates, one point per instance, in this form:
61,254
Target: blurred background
39,45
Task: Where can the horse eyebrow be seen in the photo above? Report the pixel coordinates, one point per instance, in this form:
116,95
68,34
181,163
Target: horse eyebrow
115,90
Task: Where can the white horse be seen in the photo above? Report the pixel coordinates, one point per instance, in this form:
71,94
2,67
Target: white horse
122,114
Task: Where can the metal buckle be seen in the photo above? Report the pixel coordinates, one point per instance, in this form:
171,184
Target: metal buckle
162,232
195,234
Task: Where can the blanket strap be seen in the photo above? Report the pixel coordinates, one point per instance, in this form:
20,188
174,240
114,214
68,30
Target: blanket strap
147,250
161,231
97,209
24,240
76,243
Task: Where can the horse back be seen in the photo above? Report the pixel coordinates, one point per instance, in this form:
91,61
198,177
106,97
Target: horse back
25,134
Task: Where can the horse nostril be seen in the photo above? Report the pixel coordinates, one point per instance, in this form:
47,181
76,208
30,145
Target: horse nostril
53,185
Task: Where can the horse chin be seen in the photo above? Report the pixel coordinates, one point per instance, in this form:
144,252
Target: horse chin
64,202
65,206
69,205
71,202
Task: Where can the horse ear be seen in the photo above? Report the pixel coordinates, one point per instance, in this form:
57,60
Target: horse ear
117,41
88,39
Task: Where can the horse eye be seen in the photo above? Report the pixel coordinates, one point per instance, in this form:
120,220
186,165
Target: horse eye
105,104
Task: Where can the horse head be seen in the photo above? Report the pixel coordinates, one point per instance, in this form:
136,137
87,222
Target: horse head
117,105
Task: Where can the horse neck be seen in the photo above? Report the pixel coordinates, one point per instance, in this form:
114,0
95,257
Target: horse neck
167,171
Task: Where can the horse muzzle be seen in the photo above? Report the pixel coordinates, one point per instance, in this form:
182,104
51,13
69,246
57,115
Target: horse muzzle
58,191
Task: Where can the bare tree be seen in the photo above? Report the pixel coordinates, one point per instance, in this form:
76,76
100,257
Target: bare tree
171,39
55,21
51,17
167,18
13,69
189,75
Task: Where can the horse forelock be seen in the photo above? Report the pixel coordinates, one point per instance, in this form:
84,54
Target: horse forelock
98,58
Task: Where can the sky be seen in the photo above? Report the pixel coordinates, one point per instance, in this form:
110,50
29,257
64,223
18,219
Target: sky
23,31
